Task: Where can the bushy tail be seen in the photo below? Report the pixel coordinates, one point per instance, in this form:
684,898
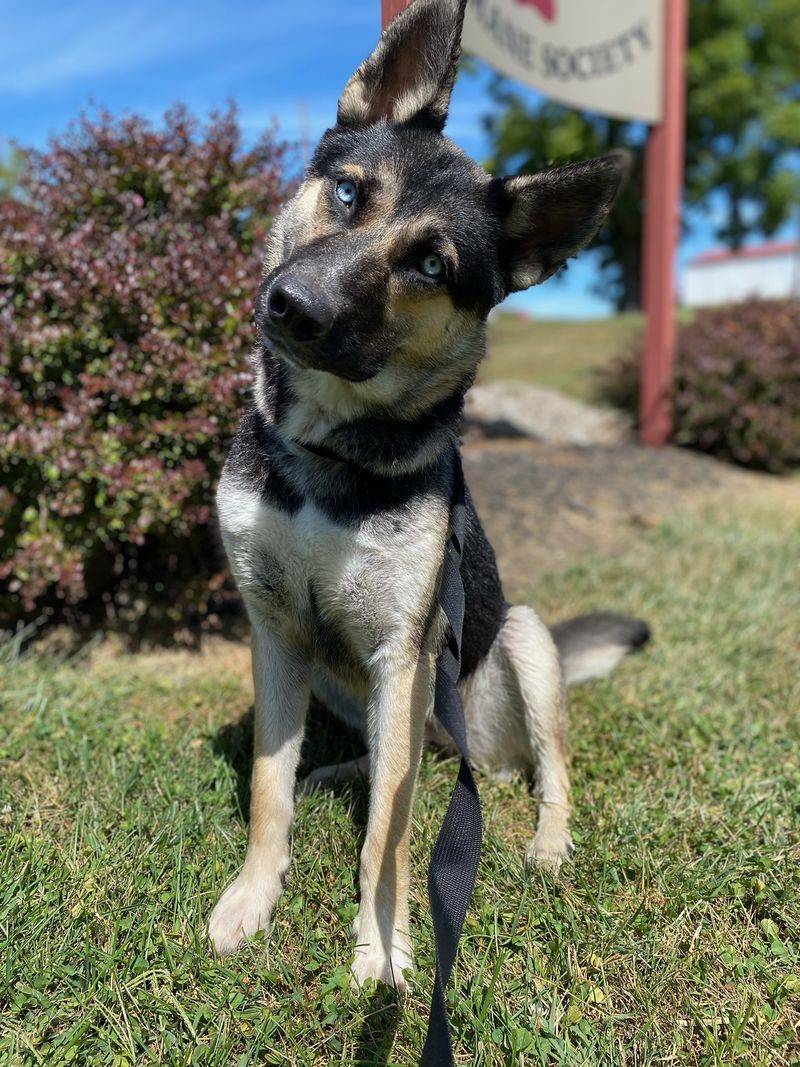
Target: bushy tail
592,645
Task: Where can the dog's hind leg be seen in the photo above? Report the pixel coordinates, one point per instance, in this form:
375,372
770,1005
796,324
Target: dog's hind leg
282,679
516,721
534,662
351,708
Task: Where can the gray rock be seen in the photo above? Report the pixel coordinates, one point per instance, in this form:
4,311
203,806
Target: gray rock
515,409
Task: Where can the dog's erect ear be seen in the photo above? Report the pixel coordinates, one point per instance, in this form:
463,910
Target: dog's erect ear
548,217
410,75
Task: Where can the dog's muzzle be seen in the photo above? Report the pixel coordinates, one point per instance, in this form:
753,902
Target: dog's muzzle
315,326
295,309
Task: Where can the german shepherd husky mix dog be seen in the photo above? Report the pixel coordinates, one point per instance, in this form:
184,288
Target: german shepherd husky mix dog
334,502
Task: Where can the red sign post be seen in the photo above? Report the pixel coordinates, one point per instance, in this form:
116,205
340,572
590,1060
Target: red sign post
663,195
662,214
390,8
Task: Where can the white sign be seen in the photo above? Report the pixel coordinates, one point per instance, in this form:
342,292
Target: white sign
601,55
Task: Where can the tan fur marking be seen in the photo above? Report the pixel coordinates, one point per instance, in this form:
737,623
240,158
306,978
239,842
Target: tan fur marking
292,223
431,327
428,321
305,201
440,346
383,191
354,172
354,103
269,818
427,228
383,942
314,216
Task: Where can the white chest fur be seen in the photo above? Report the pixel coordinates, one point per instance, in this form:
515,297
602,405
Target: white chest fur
308,577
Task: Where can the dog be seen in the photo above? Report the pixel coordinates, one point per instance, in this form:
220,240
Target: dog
334,501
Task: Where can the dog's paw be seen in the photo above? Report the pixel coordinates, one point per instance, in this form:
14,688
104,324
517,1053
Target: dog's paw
334,774
373,959
549,850
243,909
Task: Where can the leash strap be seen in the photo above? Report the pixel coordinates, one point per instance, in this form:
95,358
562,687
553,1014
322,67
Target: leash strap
456,854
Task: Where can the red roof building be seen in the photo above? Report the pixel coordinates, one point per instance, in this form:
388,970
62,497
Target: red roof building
722,276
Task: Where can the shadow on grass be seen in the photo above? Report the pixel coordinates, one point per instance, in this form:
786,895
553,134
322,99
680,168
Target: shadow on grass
378,1030
327,741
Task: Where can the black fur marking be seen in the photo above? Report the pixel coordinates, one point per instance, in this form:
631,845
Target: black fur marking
585,632
485,606
349,491
330,646
347,276
383,439
252,460
269,579
345,491
276,395
349,495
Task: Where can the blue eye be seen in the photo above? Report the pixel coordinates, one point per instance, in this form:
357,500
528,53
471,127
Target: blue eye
346,192
432,266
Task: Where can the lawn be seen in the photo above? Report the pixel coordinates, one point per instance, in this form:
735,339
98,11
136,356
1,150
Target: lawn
673,938
562,355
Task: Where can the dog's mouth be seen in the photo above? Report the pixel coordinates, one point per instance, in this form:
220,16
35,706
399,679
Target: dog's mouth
306,357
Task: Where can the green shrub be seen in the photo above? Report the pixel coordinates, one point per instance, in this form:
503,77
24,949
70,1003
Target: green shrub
736,390
128,265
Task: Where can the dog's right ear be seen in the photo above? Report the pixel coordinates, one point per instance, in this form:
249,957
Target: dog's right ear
410,75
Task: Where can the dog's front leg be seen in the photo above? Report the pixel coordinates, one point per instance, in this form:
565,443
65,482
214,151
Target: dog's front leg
396,725
281,675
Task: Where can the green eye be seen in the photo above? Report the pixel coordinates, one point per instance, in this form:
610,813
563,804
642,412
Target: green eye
432,266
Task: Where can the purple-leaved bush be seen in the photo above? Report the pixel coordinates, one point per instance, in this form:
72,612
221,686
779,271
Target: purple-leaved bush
736,386
128,267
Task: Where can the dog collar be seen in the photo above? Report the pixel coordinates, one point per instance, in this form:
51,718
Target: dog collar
322,452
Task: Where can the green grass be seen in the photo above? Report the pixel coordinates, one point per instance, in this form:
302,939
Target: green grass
672,939
561,355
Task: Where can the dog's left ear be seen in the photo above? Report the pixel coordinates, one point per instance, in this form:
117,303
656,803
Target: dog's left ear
410,75
549,217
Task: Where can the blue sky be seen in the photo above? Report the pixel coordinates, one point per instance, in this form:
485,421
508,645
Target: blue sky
283,59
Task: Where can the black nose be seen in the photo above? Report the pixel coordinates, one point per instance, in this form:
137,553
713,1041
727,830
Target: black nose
295,306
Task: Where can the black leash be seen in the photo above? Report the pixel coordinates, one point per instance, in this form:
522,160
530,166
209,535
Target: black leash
456,854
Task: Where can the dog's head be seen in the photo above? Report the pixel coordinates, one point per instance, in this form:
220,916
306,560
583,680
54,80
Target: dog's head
397,245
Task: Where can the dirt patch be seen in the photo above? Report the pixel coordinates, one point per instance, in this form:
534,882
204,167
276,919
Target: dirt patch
545,506
216,656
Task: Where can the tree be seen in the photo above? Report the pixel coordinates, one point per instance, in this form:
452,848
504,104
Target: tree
743,118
